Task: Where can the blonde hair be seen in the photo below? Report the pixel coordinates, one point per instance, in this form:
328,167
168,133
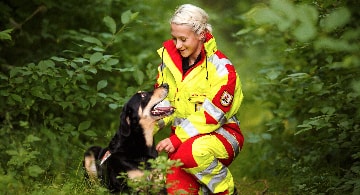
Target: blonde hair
192,16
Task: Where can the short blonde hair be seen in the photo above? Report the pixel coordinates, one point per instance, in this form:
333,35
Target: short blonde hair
192,16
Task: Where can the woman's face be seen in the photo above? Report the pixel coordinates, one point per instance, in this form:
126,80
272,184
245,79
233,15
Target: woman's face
187,41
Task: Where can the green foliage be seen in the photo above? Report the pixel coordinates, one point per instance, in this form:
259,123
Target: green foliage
66,69
308,59
70,93
49,104
153,181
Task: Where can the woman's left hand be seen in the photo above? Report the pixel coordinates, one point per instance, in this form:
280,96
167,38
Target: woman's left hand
165,145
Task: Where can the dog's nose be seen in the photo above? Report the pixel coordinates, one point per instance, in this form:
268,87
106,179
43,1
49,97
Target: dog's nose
165,85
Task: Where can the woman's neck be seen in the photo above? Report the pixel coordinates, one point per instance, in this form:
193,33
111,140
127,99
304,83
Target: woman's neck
194,58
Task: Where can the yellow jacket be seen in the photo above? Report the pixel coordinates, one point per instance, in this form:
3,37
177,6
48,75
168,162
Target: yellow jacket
206,98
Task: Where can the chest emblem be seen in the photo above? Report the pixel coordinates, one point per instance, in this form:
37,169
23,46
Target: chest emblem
226,98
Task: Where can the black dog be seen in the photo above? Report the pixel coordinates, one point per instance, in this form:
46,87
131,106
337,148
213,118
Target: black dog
132,144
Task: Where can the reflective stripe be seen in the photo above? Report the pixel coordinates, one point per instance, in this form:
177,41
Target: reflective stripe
231,139
189,128
192,131
234,119
217,178
178,121
219,64
214,111
208,170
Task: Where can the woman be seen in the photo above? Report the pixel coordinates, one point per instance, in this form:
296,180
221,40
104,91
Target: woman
206,92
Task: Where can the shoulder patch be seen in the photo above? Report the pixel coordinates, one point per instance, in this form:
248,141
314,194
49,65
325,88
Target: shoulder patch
226,98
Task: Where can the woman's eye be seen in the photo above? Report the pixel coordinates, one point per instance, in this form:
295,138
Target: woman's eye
182,39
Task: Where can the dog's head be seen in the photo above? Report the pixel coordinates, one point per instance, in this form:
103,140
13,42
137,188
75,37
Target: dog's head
143,109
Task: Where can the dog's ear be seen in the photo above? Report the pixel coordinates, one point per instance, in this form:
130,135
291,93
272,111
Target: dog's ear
125,121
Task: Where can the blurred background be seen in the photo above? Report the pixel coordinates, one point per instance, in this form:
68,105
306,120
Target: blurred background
67,67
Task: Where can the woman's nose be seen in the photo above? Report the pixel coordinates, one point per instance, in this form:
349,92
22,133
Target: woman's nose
178,44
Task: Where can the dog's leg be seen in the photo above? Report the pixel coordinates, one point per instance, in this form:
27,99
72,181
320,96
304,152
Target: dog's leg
134,174
90,166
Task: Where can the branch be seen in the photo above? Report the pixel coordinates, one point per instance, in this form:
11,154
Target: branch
41,8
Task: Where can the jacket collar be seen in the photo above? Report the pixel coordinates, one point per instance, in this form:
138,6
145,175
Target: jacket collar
210,44
209,47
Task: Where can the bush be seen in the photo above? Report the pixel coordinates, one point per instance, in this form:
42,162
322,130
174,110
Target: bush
308,59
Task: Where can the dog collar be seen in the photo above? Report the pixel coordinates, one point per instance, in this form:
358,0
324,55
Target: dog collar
106,156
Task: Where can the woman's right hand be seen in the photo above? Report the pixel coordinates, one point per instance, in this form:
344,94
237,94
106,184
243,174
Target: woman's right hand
165,145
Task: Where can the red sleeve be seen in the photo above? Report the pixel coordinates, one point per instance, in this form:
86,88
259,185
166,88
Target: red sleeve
176,142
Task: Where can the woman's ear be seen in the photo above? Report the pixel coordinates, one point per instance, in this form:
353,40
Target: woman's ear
202,36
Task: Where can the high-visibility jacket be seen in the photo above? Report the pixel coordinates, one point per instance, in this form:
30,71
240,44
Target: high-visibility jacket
206,98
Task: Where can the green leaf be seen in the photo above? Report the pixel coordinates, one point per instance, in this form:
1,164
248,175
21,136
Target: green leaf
40,93
113,106
103,95
5,34
316,87
304,128
306,30
84,125
92,70
139,77
58,59
110,23
35,170
112,62
16,97
130,69
31,138
90,133
99,49
265,16
334,44
101,84
14,71
92,40
65,104
266,136
299,75
336,19
125,17
128,16
286,10
134,15
45,64
244,31
3,77
273,74
79,60
37,91
328,110
96,57
92,101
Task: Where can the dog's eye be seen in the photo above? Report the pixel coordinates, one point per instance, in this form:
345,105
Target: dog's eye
142,93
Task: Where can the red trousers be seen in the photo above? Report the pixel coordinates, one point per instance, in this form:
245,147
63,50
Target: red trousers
198,154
